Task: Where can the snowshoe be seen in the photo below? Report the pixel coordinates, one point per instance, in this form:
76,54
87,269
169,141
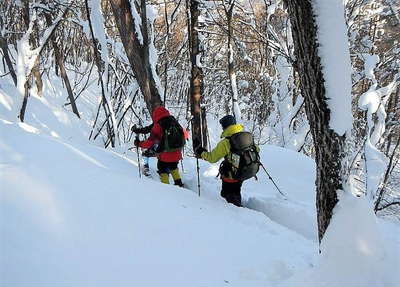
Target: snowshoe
146,170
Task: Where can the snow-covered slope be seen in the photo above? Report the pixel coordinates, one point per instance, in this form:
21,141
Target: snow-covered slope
75,214
78,215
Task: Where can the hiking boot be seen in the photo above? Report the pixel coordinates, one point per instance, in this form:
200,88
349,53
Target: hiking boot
179,183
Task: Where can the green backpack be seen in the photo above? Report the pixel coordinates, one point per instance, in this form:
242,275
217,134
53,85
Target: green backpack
244,158
173,138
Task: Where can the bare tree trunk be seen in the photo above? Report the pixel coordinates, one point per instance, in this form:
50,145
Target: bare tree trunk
24,102
34,42
166,51
22,111
4,48
196,81
389,170
204,127
60,64
231,63
64,76
137,53
25,80
38,77
110,130
328,144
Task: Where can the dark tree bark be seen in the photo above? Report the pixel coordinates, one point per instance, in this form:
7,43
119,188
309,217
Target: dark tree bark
137,53
38,77
108,121
389,170
204,127
24,102
31,72
231,64
21,115
4,48
328,144
34,42
63,72
196,80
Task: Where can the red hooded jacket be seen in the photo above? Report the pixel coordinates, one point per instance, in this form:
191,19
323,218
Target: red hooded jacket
156,134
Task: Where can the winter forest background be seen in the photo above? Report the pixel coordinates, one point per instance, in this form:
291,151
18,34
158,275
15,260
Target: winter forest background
245,56
115,60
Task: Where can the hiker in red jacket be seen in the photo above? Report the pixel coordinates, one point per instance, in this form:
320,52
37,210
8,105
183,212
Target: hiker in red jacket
169,137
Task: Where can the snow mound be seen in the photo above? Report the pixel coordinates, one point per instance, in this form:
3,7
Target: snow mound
353,251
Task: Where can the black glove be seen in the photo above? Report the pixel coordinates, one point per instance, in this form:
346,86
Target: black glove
135,129
198,151
149,153
142,130
136,142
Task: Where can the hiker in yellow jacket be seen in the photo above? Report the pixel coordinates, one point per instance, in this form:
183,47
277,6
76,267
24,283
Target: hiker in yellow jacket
230,187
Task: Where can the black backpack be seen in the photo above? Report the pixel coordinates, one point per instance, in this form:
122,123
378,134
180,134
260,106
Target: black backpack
244,158
173,138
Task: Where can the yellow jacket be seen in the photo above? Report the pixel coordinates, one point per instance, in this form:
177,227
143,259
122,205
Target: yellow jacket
223,148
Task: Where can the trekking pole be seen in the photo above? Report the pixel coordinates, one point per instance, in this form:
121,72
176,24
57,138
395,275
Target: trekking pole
183,170
198,175
273,181
138,158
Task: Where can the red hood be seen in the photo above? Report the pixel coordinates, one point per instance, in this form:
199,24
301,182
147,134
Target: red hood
159,113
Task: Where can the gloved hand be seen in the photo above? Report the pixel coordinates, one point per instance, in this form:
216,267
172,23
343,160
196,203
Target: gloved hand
135,129
149,153
136,142
198,151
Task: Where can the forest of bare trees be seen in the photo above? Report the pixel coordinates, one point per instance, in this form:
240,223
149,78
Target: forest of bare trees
203,59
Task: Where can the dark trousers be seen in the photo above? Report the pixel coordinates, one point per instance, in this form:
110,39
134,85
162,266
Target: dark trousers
166,167
231,192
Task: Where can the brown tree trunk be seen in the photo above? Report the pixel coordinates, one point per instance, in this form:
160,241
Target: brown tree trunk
328,144
196,81
34,42
204,127
60,64
137,53
4,48
29,73
231,64
24,102
25,16
107,112
38,77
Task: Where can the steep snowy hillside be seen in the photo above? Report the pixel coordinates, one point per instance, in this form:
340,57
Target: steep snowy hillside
75,214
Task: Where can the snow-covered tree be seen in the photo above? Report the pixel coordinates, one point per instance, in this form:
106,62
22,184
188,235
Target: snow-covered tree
328,104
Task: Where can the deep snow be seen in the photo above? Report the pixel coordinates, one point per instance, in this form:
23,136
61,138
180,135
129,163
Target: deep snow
77,215
74,214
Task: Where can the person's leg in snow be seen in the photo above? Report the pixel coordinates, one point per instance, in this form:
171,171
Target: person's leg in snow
231,192
146,168
165,168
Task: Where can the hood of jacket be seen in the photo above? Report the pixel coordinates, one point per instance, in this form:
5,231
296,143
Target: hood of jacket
159,113
231,130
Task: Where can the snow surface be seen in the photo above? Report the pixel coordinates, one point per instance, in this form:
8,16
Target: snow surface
75,214
78,215
355,253
335,60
